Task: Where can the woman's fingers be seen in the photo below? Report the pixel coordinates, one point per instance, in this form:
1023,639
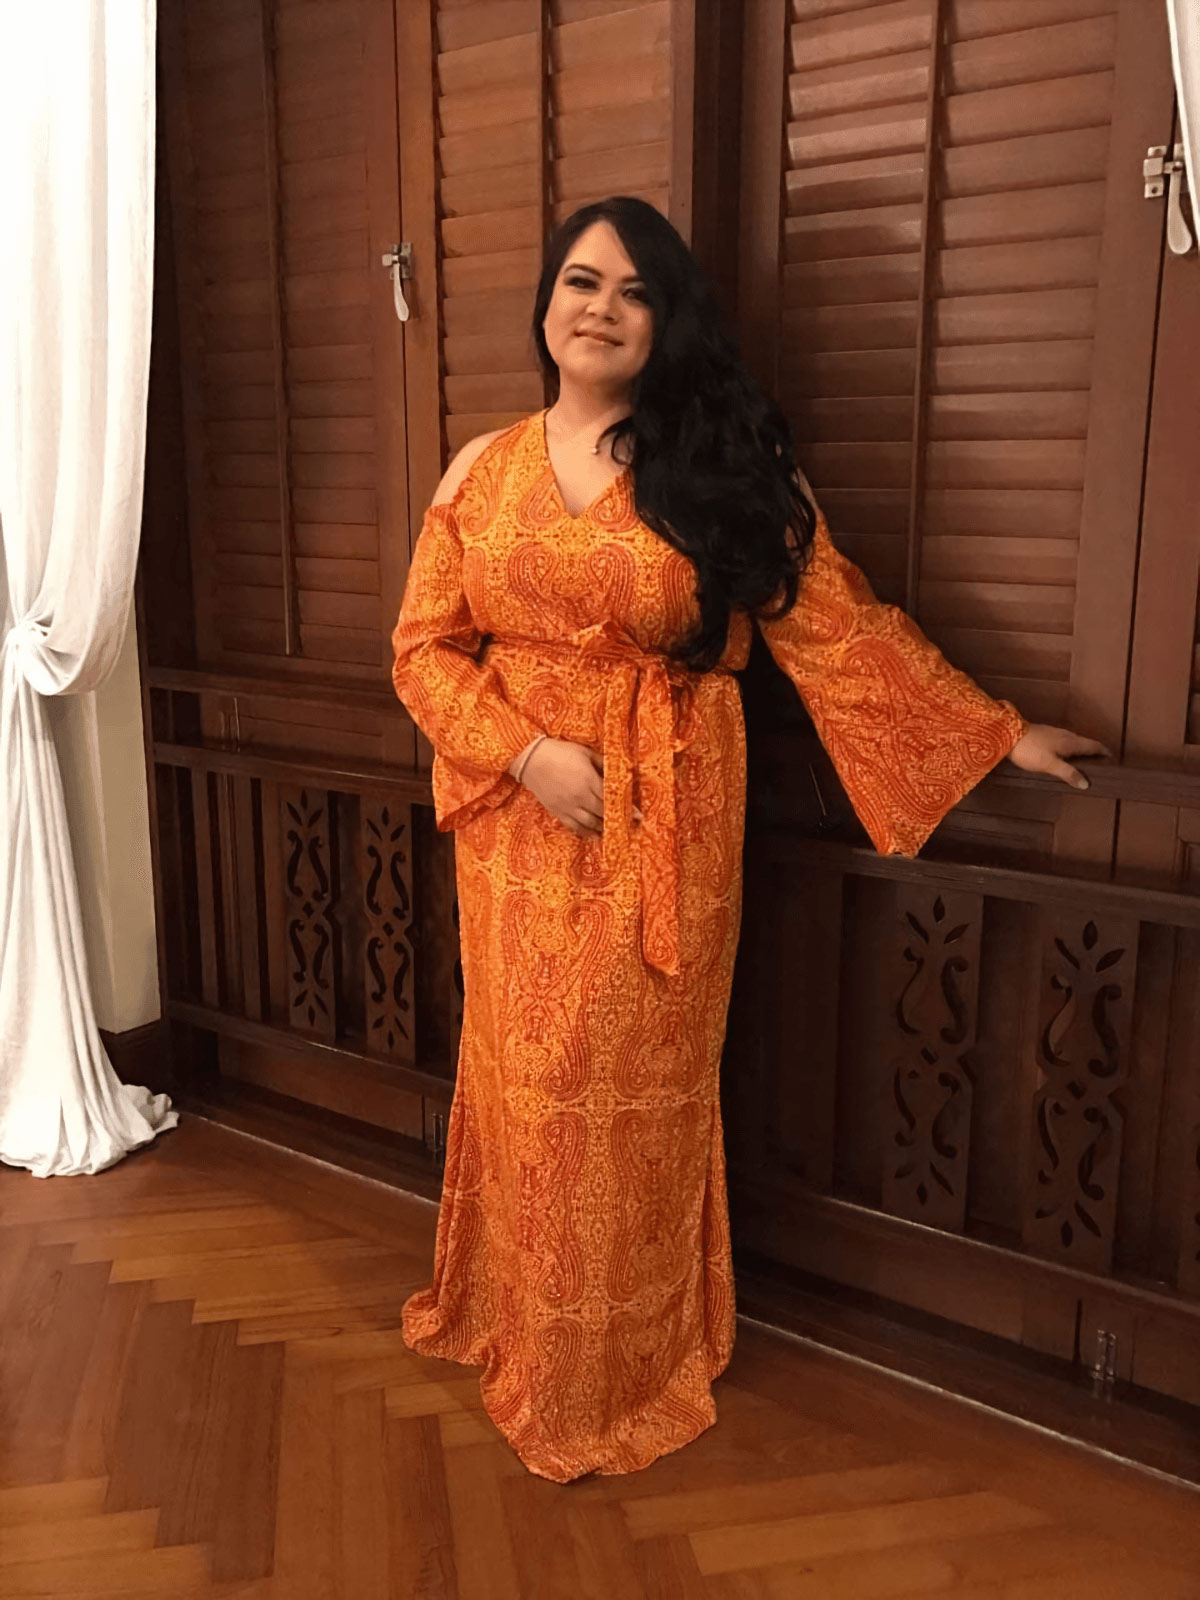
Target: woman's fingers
1075,745
1069,774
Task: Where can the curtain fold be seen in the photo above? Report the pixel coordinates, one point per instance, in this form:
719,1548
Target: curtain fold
1184,16
77,110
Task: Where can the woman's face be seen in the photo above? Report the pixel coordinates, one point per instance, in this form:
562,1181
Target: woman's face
598,324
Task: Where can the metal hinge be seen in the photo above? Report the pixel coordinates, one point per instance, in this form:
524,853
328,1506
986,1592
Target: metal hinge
400,262
1160,170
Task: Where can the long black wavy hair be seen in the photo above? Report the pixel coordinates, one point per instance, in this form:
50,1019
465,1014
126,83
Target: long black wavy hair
710,452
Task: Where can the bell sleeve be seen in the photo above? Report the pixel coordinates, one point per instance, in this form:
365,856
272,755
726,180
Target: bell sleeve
908,733
458,702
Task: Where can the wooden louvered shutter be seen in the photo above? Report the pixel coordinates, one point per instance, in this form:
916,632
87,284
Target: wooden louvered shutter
285,189
1161,834
535,107
949,274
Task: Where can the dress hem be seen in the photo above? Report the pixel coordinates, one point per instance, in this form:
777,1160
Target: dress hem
606,1465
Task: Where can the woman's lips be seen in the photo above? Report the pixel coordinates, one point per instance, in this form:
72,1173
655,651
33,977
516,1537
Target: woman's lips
597,338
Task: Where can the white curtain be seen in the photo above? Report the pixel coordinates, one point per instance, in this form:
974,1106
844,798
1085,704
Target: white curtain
76,252
1184,17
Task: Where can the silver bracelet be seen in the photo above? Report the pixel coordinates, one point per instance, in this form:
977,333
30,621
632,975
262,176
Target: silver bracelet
520,772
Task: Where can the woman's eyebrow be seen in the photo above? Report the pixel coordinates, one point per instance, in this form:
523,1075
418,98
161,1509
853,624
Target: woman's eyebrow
582,266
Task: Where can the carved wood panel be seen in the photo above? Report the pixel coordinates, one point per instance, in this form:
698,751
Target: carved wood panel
927,1150
1082,1045
388,957
309,879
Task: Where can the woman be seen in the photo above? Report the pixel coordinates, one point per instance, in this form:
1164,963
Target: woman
582,591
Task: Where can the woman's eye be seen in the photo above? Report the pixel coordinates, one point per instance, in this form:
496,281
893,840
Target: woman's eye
579,283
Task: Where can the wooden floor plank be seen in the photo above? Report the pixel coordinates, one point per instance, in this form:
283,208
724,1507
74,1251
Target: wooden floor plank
362,1562
421,1534
201,1353
97,1536
306,1493
30,1503
804,1538
34,1451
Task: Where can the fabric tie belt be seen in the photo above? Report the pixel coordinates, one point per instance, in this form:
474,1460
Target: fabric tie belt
642,733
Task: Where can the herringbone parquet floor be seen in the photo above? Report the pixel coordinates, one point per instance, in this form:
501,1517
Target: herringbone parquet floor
204,1393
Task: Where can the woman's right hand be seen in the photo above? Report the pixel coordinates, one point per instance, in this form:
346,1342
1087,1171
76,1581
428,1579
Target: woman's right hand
568,779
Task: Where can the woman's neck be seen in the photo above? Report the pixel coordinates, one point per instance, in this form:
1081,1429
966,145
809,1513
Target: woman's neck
577,409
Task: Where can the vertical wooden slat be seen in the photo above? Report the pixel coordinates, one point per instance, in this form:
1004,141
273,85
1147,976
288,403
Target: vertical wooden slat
271,162
205,887
1122,359
274,904
233,994
1168,575
683,114
388,399
934,104
1186,1054
248,888
803,960
419,223
185,232
763,133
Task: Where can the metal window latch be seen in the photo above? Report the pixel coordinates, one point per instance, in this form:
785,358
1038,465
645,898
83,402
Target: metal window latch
1159,170
401,263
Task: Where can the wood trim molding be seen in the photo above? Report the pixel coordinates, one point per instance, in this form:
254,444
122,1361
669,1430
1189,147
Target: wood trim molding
1016,1296
1164,906
297,768
1046,1391
142,1055
433,1086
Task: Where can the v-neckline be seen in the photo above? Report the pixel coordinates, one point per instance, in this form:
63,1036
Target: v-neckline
573,516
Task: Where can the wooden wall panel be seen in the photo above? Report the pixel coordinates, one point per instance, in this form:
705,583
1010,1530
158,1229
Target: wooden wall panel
286,190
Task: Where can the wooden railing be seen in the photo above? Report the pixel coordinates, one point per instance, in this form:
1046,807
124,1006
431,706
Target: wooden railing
973,1090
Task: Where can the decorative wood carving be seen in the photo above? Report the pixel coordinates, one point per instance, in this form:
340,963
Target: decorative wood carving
309,880
1082,1053
388,963
927,1152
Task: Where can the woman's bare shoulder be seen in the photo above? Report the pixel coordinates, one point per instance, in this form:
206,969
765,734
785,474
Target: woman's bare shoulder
461,465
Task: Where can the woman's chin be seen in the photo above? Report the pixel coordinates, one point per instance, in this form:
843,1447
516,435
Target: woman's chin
593,366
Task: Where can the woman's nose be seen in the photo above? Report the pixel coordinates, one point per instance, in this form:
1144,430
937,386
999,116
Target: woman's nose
604,305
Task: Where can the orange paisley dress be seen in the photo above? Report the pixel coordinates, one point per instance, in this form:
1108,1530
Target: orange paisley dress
582,1254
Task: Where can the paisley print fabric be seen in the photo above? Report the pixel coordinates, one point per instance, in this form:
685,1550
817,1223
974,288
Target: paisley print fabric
582,1253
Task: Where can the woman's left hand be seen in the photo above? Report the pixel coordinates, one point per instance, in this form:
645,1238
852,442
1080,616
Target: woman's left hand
1042,748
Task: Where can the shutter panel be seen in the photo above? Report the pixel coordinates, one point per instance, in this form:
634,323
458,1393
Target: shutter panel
960,318
285,184
540,106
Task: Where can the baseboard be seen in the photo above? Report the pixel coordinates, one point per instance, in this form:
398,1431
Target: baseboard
142,1056
304,1130
1132,1424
